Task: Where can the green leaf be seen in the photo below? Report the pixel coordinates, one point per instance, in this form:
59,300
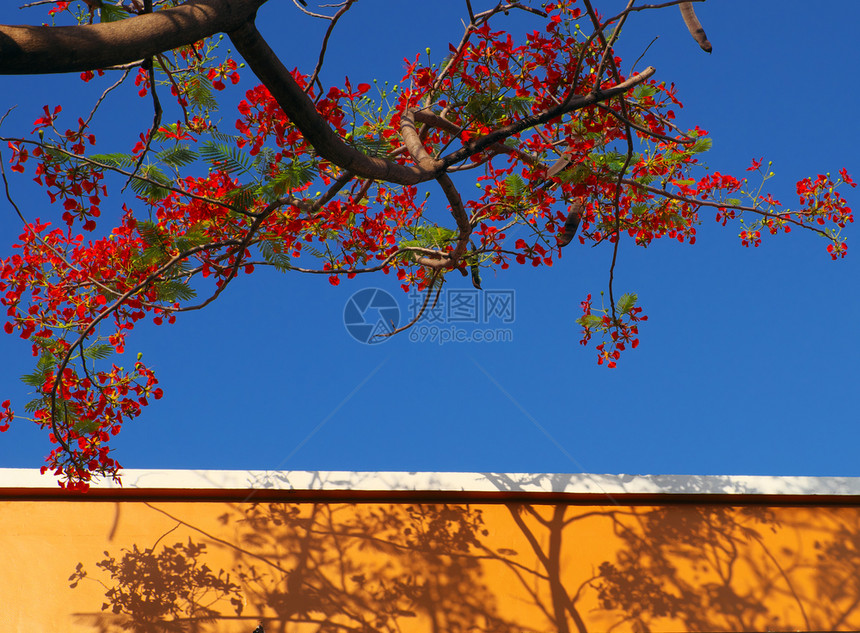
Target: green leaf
515,185
48,360
308,248
195,236
589,321
36,379
373,146
274,256
156,244
292,176
199,92
150,190
644,90
520,105
178,156
153,235
63,411
701,145
626,302
226,157
611,160
263,161
174,290
488,107
150,256
98,351
434,236
56,155
574,175
241,198
85,427
33,405
118,160
231,139
111,12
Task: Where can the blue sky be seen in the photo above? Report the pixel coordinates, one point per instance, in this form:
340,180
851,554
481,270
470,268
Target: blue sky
748,364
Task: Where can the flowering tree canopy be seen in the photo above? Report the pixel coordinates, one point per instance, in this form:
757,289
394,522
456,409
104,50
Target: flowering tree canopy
565,150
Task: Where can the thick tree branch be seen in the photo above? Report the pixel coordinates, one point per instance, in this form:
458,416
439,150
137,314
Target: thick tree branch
35,50
413,143
302,113
431,119
460,217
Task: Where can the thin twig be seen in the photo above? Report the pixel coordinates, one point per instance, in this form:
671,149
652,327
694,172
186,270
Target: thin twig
123,172
334,20
423,306
102,98
722,205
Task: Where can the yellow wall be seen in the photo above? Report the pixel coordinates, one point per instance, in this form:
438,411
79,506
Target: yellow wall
443,568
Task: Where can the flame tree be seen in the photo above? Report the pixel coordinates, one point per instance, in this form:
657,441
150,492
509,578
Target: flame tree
335,181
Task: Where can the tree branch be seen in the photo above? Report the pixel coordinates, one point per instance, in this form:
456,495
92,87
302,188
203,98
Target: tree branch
36,50
570,105
302,113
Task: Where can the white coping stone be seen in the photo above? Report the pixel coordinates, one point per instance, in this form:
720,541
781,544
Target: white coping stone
477,482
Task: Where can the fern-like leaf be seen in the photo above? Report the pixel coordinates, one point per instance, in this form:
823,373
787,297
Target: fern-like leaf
195,236
178,156
150,188
292,176
111,12
626,302
174,290
199,92
156,244
117,160
98,351
225,157
515,185
274,256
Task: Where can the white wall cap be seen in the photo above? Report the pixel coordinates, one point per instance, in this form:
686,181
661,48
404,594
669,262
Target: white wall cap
453,482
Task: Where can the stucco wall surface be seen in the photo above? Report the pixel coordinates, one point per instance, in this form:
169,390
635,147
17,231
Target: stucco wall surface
501,566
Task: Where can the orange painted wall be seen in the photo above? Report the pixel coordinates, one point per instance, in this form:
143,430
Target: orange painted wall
403,568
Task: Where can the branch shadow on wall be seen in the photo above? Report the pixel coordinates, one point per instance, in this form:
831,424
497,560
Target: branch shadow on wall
429,568
322,567
692,567
738,569
366,567
169,589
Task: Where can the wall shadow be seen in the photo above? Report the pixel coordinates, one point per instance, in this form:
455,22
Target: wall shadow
366,567
318,567
485,568
166,589
737,569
